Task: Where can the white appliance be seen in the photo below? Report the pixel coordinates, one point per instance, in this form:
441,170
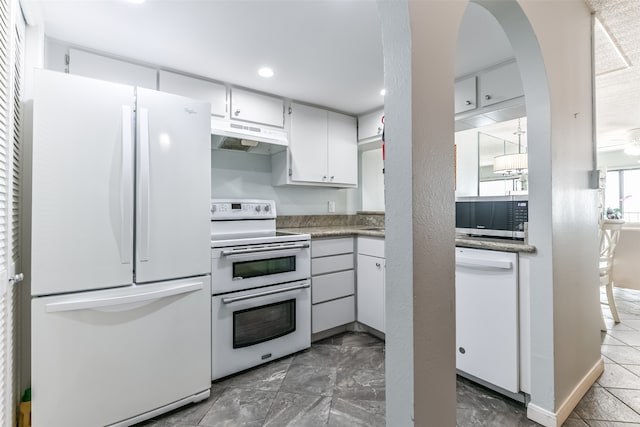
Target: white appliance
118,251
261,304
487,339
251,138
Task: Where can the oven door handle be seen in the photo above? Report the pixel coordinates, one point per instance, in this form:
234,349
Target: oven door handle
230,300
245,251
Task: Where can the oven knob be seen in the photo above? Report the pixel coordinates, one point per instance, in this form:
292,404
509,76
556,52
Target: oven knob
258,208
267,208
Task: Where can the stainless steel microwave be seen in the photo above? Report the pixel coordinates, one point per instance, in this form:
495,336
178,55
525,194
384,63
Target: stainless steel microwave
492,216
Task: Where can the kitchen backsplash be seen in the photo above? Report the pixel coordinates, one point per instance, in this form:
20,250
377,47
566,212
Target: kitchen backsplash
373,219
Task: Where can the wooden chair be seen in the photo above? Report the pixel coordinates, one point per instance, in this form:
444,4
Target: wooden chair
609,235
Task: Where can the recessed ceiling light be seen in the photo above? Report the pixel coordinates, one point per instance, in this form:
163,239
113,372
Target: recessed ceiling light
383,92
265,72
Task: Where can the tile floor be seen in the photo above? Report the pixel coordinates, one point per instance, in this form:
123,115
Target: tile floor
340,382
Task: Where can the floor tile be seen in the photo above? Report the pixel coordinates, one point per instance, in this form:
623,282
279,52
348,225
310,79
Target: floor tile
619,354
630,398
617,376
608,339
627,337
239,407
361,384
598,404
632,323
574,422
633,368
318,355
353,413
361,358
267,377
361,340
310,380
298,410
611,424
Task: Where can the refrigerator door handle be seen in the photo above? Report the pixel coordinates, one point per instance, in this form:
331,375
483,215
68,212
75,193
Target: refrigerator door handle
126,187
118,300
143,246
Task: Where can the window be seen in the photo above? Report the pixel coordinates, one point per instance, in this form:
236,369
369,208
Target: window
623,192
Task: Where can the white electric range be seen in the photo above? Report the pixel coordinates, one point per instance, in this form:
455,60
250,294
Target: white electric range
261,286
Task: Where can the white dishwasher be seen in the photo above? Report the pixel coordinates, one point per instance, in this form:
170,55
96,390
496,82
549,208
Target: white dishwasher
487,316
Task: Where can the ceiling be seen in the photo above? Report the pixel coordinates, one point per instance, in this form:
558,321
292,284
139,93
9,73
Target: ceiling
323,52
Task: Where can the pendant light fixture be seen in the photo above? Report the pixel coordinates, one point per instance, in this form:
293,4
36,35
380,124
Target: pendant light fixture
512,164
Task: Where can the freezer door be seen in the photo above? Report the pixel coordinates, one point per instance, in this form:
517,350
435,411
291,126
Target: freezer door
102,357
173,187
81,197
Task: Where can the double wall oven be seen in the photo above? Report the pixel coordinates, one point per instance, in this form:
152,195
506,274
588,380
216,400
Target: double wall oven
261,306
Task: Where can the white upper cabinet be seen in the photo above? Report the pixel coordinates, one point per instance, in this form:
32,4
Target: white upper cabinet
370,126
256,108
308,143
500,84
465,95
342,149
323,149
103,68
203,90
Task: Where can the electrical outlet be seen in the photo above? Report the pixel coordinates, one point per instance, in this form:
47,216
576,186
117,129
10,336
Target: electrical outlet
332,206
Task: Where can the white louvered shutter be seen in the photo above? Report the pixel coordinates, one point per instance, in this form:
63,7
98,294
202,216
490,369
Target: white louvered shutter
6,362
11,78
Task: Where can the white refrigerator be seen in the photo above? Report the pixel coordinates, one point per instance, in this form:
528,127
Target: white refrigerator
117,251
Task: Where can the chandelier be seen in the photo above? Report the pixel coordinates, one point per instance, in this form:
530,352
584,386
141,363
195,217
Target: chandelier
512,164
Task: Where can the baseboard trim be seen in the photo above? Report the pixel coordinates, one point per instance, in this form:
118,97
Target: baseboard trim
550,419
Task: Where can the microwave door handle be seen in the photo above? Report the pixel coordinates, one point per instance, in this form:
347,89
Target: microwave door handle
245,251
230,300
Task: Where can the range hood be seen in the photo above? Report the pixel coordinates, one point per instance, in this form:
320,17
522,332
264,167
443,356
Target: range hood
249,138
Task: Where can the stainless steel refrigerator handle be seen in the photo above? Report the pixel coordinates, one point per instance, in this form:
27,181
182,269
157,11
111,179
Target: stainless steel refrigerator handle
483,264
233,252
230,300
143,223
126,187
148,296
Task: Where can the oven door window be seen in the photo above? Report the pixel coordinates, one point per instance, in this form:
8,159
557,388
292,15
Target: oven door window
264,267
263,323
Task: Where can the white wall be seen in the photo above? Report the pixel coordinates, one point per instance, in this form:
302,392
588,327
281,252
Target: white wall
246,175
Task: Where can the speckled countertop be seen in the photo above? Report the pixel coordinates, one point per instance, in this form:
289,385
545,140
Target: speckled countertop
461,241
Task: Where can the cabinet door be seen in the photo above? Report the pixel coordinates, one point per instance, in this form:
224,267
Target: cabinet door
370,292
256,108
113,70
213,93
500,85
465,95
342,149
370,126
308,143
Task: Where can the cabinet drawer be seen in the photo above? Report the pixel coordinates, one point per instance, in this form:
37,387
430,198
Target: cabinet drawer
330,264
332,286
371,246
325,247
333,313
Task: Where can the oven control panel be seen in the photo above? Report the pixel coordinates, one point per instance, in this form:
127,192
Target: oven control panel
226,209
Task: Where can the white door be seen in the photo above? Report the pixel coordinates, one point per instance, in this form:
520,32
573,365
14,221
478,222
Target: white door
87,64
370,292
173,187
342,151
104,356
204,90
256,108
82,188
308,143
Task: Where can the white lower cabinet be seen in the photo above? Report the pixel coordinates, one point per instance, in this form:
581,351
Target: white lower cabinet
332,283
371,282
